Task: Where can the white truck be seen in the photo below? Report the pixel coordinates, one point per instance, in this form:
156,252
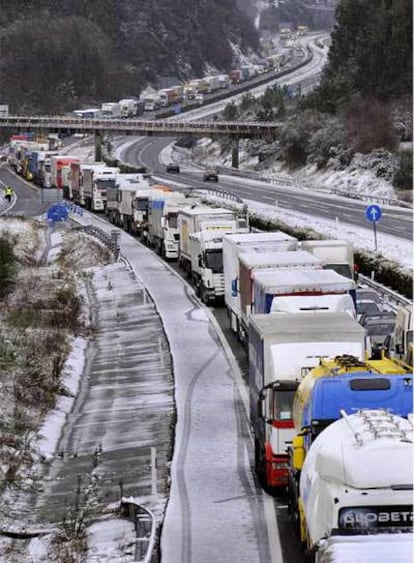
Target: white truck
235,244
288,290
128,107
111,109
96,180
282,350
356,489
251,262
4,110
163,232
206,249
399,344
336,254
134,181
201,218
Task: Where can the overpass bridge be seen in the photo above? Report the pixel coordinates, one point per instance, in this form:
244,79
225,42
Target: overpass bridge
159,127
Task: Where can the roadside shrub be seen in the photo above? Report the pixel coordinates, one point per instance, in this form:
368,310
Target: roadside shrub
8,263
403,179
370,126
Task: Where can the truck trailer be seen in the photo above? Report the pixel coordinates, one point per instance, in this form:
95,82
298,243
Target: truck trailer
282,350
233,246
251,262
293,290
336,255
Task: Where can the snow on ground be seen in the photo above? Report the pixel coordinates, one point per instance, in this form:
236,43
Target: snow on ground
393,248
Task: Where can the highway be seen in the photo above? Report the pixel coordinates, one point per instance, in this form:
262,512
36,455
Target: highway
395,221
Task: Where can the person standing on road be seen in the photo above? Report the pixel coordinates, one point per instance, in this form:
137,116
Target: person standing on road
9,193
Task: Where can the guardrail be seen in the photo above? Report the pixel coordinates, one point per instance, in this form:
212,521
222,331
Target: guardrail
111,242
393,298
145,529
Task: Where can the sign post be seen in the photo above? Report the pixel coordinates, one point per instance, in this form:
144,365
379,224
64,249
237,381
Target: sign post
373,214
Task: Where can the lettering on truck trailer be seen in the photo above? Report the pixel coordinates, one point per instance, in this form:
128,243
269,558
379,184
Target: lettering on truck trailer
375,517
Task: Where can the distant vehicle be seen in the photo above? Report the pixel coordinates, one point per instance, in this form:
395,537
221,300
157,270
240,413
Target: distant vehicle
390,316
199,98
378,330
210,176
368,307
173,167
365,293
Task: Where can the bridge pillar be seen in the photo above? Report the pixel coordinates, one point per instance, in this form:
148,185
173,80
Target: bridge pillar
98,146
235,153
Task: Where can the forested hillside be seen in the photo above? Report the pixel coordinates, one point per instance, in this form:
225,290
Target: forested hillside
363,106
58,54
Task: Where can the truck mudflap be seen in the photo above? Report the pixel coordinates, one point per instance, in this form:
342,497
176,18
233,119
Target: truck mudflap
276,468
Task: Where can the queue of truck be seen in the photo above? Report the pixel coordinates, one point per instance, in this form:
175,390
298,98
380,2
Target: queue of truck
316,391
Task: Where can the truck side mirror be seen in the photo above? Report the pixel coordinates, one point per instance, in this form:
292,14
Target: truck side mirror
200,261
234,288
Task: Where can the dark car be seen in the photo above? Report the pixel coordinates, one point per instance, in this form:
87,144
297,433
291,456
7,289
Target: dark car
210,176
173,167
382,316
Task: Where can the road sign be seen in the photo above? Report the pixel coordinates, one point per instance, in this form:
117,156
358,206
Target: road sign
373,213
57,213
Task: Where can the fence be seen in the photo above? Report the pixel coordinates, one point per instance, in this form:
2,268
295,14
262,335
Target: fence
111,242
145,530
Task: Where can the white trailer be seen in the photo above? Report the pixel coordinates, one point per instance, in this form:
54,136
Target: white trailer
288,290
111,109
200,218
336,255
357,480
233,246
251,262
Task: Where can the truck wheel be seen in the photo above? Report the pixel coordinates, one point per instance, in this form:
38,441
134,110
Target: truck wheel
204,296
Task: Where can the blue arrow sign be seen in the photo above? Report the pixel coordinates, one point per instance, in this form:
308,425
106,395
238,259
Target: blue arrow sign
373,213
58,212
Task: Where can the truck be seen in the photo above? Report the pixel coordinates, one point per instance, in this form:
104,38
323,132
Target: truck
206,249
163,232
341,383
399,345
151,102
292,290
135,181
96,180
131,207
282,350
44,169
251,262
172,95
235,244
349,509
336,255
200,218
128,107
224,81
4,110
60,169
111,109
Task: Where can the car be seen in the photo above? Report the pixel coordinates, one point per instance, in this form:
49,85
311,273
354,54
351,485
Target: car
173,167
365,293
378,330
382,316
210,176
368,307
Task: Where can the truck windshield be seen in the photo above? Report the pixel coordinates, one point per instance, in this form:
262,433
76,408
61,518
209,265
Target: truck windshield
214,260
141,204
172,220
282,404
